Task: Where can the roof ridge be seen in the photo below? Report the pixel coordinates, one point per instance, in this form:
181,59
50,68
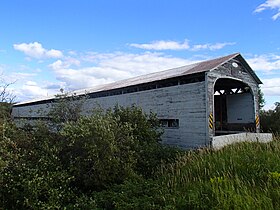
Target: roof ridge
231,56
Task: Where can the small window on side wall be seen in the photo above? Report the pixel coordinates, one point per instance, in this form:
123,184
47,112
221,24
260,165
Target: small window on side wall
169,123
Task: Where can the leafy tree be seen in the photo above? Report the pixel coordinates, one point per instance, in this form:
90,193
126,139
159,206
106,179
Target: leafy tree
270,120
66,108
261,98
5,110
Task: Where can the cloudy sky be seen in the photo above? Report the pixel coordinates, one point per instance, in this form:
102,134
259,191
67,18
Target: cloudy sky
46,45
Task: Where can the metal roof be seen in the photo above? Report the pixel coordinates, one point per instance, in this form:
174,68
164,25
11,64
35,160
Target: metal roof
162,75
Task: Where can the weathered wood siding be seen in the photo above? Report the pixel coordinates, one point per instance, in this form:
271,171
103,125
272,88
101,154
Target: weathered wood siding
31,111
239,108
228,71
184,102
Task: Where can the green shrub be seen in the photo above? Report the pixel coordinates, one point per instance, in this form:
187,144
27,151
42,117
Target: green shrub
145,127
270,120
146,130
40,169
109,147
98,151
32,177
135,193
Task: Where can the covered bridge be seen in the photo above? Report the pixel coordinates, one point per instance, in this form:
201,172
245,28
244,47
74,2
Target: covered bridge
195,103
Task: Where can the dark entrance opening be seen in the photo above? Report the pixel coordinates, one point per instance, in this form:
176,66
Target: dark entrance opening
233,107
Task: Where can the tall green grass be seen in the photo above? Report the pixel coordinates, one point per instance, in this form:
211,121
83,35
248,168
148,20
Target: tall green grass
240,176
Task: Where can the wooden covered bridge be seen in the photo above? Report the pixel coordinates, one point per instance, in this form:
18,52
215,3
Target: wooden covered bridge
195,103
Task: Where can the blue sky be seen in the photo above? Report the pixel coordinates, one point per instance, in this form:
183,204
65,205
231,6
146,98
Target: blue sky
72,44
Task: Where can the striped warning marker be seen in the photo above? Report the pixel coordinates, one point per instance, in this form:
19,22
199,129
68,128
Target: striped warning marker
211,120
257,120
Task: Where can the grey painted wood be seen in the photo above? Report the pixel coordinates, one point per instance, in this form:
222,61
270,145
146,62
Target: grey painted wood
184,102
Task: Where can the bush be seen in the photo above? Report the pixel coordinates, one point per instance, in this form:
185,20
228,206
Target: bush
41,169
32,175
135,193
98,151
110,147
5,110
146,130
270,120
65,108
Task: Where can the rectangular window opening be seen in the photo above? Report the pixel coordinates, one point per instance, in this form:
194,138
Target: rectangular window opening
169,123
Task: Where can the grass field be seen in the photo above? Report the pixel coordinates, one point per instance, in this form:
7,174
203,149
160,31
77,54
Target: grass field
240,176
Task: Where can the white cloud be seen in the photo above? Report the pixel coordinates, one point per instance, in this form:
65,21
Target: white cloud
270,4
36,50
66,63
31,83
72,53
53,53
163,45
112,67
172,45
16,77
212,47
34,90
266,63
271,87
270,65
274,17
31,89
